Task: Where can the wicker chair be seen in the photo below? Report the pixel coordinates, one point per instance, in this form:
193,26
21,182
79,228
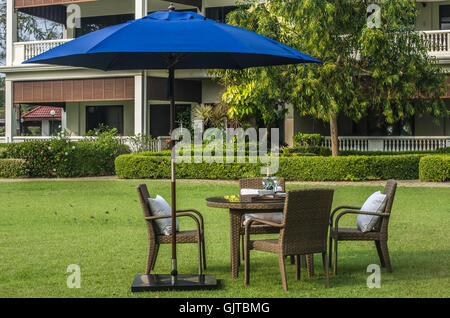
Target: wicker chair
155,239
379,236
257,183
304,231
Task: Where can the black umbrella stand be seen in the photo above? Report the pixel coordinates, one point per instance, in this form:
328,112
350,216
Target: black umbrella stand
173,281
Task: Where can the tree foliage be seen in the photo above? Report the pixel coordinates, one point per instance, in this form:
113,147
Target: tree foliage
385,70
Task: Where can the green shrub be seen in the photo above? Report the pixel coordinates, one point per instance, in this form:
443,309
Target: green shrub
59,157
13,168
306,140
298,168
2,152
435,168
304,150
443,151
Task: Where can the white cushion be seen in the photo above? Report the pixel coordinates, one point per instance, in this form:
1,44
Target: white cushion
258,191
375,203
159,207
276,217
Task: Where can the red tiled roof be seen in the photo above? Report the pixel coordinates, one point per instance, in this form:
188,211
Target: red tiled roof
42,113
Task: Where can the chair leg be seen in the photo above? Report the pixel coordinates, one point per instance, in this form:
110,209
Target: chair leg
283,271
155,255
335,257
380,253
204,251
243,247
325,268
149,261
385,252
246,265
297,267
200,257
310,265
151,257
292,260
330,253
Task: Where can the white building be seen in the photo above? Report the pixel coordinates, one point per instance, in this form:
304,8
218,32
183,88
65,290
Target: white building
135,102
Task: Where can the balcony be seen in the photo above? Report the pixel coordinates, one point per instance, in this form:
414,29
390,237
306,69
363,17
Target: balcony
438,43
26,50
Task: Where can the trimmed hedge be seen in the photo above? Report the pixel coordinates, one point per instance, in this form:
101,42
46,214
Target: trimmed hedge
305,168
306,150
13,168
435,168
63,158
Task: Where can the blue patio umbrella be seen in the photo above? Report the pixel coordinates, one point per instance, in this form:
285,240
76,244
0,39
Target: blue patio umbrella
172,40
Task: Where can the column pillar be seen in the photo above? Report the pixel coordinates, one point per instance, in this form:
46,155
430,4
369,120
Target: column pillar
140,104
10,113
63,119
140,83
11,31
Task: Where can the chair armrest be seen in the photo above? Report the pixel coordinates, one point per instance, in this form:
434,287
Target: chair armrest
181,214
252,220
340,208
336,225
265,222
200,216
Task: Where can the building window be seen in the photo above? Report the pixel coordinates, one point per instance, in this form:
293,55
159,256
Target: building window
160,118
444,17
219,14
98,116
91,24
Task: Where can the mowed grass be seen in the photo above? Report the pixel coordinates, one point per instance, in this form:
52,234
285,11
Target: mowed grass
98,225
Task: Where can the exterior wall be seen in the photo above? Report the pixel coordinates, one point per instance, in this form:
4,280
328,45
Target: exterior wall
426,126
211,92
76,116
428,18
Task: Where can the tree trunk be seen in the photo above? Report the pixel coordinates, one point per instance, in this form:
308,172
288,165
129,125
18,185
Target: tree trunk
334,135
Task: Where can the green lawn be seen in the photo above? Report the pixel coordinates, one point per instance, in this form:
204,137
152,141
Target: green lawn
98,225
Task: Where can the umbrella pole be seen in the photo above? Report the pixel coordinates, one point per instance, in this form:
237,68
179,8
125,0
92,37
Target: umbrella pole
174,271
173,281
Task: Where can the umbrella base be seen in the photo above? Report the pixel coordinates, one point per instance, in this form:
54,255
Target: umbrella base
156,282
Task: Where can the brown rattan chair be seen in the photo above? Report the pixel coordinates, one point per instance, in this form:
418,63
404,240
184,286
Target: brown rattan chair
304,231
379,236
257,183
155,239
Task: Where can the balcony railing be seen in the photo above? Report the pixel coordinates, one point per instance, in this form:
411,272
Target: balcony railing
27,50
438,42
390,143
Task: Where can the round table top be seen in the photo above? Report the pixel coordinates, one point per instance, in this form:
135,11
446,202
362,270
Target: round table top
221,202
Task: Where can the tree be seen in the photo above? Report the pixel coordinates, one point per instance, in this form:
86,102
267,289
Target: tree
366,67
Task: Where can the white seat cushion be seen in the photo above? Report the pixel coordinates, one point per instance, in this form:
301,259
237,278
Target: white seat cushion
160,207
375,203
276,217
258,191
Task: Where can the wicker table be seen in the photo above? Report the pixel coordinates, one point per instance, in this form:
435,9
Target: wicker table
237,209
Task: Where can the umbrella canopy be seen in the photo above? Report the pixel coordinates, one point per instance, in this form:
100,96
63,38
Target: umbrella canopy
151,43
172,40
